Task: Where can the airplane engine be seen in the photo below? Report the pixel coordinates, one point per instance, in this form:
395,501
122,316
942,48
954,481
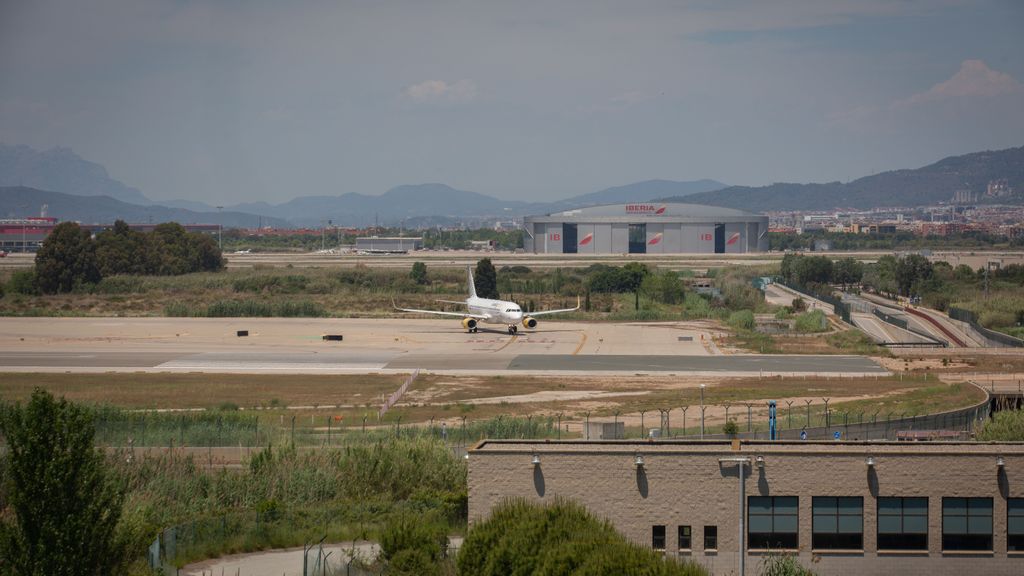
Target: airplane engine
469,323
529,322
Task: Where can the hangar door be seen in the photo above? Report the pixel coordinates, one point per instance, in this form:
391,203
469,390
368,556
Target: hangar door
569,234
638,238
719,238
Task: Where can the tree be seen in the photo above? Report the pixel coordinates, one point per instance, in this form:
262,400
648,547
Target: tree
64,509
847,271
912,272
486,279
419,272
122,250
66,260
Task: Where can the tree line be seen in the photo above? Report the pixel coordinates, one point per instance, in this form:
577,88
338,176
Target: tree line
71,257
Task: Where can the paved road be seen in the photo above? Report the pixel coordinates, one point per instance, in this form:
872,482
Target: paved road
379,345
305,363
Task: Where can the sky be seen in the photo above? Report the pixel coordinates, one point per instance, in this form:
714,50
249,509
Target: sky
229,101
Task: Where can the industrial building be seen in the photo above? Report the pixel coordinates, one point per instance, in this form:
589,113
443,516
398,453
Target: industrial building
929,508
28,234
388,244
647,228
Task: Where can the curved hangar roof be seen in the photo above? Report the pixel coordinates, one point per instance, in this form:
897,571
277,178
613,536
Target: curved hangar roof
650,210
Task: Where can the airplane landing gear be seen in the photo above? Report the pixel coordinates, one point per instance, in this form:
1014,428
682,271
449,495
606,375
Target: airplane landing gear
513,329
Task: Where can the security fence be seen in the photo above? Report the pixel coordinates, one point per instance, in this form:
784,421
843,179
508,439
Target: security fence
972,319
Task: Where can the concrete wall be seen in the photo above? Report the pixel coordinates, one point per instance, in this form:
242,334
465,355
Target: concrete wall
684,484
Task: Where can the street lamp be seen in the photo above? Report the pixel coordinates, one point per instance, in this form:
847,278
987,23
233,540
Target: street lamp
702,386
220,229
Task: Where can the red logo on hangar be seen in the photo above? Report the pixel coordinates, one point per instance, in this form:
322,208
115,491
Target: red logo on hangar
655,240
733,239
587,239
645,209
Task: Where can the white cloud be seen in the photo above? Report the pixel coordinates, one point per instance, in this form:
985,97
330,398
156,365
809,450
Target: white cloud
974,79
439,91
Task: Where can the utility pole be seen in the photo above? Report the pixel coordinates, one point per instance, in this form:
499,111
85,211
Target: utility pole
220,228
702,411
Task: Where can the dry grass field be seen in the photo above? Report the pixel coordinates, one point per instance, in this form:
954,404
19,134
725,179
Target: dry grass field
350,398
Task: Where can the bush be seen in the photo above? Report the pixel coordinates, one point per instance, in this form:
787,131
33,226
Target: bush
783,565
413,545
730,428
742,320
813,321
562,538
1005,426
997,319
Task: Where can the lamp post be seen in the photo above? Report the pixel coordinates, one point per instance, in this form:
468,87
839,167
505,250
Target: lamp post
702,386
220,229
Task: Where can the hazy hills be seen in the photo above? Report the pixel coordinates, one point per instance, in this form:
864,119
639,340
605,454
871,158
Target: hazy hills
917,187
83,191
63,170
19,201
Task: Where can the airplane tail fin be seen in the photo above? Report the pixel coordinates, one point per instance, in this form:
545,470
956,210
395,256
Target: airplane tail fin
472,285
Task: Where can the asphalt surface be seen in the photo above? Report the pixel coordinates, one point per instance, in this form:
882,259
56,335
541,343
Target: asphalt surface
295,346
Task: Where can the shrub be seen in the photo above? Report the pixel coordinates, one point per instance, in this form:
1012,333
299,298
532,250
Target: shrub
997,319
783,565
813,321
1005,426
413,545
742,320
23,282
730,428
419,273
562,538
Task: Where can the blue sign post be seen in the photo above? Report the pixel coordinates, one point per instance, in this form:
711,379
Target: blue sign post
771,421
837,435
803,434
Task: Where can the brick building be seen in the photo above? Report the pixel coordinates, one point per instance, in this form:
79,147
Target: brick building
842,507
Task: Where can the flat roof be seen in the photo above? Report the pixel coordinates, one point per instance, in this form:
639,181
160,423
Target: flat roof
746,447
664,209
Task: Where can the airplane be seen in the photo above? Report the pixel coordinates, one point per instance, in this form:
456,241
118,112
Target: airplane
490,311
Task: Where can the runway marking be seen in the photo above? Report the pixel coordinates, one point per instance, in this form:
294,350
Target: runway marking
582,342
510,340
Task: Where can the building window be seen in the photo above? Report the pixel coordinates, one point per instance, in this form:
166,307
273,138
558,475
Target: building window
711,537
966,523
772,522
902,523
1015,524
838,523
658,537
685,539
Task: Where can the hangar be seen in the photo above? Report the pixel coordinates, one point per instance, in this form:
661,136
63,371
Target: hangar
647,228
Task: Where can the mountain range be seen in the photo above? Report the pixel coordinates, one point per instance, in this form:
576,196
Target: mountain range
897,188
20,201
76,189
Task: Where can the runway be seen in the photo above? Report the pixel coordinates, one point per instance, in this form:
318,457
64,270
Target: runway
286,346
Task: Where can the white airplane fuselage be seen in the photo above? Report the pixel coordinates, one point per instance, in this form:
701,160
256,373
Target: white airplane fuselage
495,311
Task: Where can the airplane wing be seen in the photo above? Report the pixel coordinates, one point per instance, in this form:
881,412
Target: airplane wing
440,313
546,312
459,302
